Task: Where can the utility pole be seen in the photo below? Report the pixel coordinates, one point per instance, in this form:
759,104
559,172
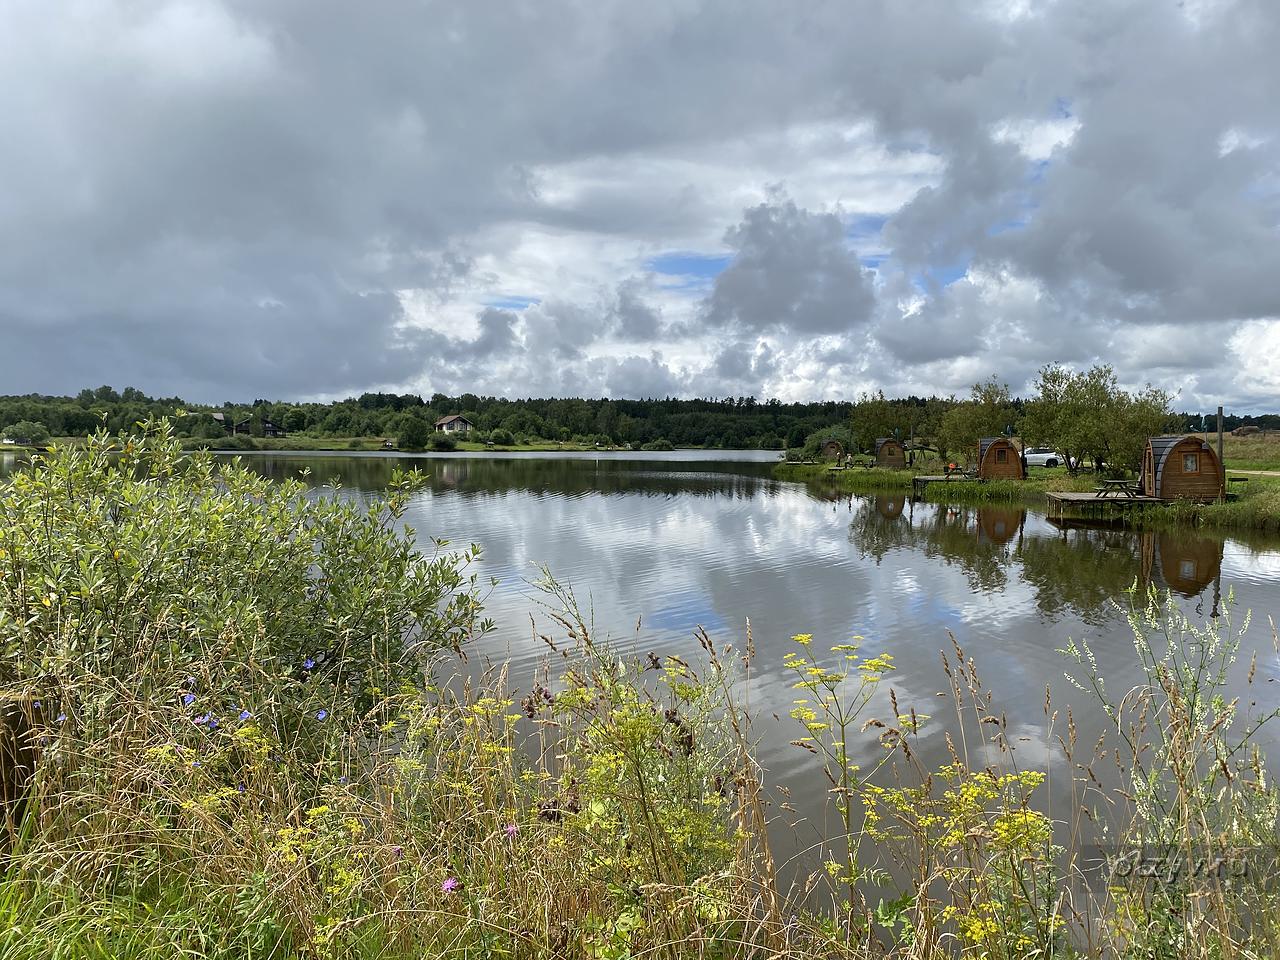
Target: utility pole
1222,464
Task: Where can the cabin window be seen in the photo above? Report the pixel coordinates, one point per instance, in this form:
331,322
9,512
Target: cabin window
1191,463
1187,569
1002,456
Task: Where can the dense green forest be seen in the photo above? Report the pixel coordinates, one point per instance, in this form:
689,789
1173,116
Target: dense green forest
729,422
732,422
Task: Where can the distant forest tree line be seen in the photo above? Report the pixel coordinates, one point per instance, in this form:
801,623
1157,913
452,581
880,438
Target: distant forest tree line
1070,410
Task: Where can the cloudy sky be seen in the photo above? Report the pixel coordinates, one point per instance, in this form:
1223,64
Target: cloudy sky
227,199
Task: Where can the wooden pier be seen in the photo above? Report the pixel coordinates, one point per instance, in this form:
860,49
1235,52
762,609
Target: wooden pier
1095,506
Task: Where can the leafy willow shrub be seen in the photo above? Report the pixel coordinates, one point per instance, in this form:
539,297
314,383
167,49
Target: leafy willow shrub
134,578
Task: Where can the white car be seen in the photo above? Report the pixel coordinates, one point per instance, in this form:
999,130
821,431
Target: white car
1044,457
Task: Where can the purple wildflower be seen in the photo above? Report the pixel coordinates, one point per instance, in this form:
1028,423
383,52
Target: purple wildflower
62,718
308,663
245,714
36,704
398,851
322,714
511,830
188,699
213,723
201,720
450,885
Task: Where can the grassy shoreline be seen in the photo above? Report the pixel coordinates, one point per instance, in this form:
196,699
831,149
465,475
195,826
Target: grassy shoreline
1256,508
275,771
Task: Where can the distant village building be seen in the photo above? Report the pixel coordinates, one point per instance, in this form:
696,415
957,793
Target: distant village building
889,453
269,427
831,450
999,458
454,424
1181,468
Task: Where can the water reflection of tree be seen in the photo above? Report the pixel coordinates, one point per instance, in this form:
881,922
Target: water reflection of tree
1075,570
563,476
974,539
1080,571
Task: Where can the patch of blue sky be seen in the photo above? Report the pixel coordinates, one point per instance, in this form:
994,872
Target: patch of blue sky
865,226
1008,226
941,275
872,261
512,303
684,263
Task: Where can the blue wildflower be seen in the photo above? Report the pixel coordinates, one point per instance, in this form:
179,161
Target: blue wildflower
201,720
188,699
322,714
308,663
62,718
245,714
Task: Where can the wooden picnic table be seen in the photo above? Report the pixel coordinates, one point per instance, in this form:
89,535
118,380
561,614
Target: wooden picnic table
1116,488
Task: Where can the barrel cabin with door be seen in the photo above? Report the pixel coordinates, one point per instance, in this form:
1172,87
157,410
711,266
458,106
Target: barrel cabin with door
999,459
889,453
1181,468
831,450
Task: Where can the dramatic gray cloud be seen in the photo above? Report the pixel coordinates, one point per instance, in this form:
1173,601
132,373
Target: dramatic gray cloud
238,198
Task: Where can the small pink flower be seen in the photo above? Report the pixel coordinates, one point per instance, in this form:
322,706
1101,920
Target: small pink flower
450,885
511,830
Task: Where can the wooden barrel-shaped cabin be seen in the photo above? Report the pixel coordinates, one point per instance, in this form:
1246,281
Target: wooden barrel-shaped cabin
831,450
1181,468
889,453
998,458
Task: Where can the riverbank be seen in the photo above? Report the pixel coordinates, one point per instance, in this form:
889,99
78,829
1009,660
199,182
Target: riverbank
1255,505
271,771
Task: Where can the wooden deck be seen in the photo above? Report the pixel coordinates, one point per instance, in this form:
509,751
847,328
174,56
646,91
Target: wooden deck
1094,506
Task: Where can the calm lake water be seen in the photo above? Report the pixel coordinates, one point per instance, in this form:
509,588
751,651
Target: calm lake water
676,541
673,542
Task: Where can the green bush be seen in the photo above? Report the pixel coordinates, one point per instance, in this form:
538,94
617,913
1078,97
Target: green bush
175,577
414,434
443,442
659,444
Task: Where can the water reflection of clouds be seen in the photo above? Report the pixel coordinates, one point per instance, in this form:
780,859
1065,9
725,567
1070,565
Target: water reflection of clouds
705,548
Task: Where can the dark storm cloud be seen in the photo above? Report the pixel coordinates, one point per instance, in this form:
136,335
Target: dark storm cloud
234,198
792,272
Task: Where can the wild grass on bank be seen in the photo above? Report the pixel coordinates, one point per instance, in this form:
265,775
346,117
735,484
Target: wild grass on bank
230,734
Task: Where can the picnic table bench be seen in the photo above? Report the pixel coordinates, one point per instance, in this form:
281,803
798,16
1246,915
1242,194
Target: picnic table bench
1115,488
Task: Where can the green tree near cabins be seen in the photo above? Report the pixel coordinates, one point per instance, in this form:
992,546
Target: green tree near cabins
990,411
1086,416
875,416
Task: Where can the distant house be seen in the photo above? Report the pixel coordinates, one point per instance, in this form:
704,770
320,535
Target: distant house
831,450
269,427
1181,468
889,453
454,424
1247,430
998,458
